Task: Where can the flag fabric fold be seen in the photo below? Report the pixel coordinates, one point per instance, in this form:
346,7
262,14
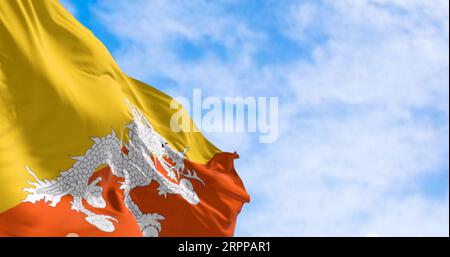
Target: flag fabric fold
86,150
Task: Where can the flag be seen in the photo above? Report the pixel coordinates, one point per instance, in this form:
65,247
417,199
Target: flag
86,150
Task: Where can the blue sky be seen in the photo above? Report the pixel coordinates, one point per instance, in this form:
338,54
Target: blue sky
364,107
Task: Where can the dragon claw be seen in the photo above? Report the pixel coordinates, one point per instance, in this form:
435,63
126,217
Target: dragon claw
93,194
150,225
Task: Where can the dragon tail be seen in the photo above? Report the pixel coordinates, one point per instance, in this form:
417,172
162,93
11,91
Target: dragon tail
42,190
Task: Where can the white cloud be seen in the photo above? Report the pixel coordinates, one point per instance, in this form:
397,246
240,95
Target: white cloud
153,29
362,120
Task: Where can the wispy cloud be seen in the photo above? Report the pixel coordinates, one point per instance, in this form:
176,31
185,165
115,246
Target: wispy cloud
363,87
69,5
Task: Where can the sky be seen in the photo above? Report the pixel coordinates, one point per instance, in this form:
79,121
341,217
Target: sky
363,87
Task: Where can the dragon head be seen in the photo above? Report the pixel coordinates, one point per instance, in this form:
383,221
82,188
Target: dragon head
155,149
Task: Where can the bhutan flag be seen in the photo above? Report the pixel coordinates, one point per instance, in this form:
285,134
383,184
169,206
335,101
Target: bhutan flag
87,151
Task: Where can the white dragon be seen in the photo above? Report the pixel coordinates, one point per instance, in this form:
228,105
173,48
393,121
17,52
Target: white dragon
137,167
